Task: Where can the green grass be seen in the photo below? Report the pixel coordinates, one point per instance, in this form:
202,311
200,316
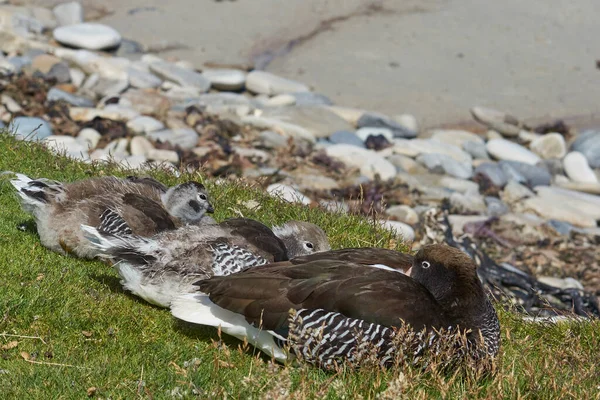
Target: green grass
76,329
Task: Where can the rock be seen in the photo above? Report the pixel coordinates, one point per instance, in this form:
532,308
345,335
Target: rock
315,181
591,188
577,168
281,100
369,162
405,163
163,155
403,147
566,283
55,94
346,137
319,121
426,146
404,213
77,76
111,111
146,102
402,230
129,48
546,207
408,122
225,79
364,133
373,120
476,150
514,192
99,86
531,175
350,115
561,227
551,145
527,137
135,162
495,206
145,124
89,36
458,222
70,13
186,138
287,129
444,164
68,146
310,99
333,206
287,193
273,140
117,148
140,146
30,128
455,137
506,124
458,185
89,136
51,67
11,105
142,79
267,83
470,203
182,76
502,149
588,144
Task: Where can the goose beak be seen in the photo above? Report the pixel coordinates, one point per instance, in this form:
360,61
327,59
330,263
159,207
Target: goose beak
408,271
210,209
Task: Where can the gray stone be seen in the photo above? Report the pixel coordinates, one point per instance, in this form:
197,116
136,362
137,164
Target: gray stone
364,133
186,138
129,47
163,155
181,76
569,211
89,36
495,207
566,283
70,13
145,124
458,185
225,79
476,149
470,203
143,80
531,175
493,173
369,162
514,192
346,137
561,227
319,121
404,213
497,120
444,164
11,105
273,140
407,121
551,145
503,149
19,62
425,146
577,168
55,94
311,99
400,229
455,137
30,128
588,144
287,193
374,120
270,84
405,163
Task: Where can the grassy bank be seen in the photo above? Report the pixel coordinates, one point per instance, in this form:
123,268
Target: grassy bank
69,331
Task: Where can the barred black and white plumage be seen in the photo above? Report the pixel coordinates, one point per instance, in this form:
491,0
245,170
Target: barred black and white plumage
228,259
344,312
112,222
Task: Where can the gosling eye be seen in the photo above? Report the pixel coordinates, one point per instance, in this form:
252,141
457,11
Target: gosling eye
425,264
309,245
202,196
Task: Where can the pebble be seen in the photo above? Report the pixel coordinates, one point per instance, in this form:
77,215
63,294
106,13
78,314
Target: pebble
492,173
142,79
350,115
477,150
402,230
503,149
425,146
505,124
140,146
444,164
55,94
225,79
470,203
364,133
117,147
566,283
531,175
288,129
375,120
514,192
577,168
90,36
368,161
546,207
495,206
145,124
182,76
253,154
319,121
111,111
51,67
455,137
135,162
347,137
266,83
333,206
458,185
588,144
551,145
405,163
404,213
272,140
527,137
403,147
408,122
163,155
89,136
591,188
311,99
70,13
287,193
77,76
186,138
280,100
146,102
30,128
11,105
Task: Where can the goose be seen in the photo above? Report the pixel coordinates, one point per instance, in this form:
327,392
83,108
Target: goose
327,312
146,205
161,267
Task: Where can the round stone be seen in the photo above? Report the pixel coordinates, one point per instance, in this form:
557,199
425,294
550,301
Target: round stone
551,145
577,168
400,229
30,128
225,79
503,149
87,35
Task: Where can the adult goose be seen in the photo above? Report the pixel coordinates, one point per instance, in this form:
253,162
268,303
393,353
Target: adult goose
164,266
144,204
328,312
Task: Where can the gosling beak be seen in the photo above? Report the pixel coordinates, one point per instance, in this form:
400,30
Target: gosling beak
210,209
408,271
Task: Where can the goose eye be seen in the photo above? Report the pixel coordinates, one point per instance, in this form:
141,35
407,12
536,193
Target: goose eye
309,245
425,264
